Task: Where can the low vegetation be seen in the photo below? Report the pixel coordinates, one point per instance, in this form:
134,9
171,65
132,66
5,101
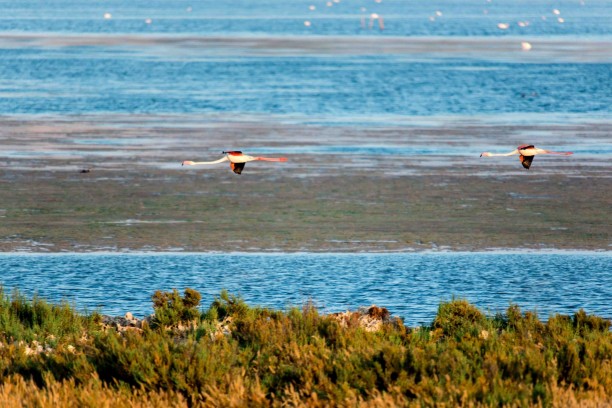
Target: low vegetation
235,355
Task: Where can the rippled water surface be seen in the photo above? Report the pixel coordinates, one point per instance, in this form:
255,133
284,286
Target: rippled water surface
345,17
119,57
409,285
73,81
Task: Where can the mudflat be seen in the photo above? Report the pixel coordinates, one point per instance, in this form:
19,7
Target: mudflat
115,183
545,50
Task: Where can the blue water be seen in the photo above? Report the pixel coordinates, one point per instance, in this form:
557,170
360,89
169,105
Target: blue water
409,285
49,76
278,17
66,81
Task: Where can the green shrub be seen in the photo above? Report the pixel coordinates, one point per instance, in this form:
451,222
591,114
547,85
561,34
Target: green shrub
588,323
458,318
23,319
265,357
171,309
191,298
229,305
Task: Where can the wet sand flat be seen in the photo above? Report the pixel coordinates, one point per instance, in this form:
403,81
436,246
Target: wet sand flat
543,49
419,185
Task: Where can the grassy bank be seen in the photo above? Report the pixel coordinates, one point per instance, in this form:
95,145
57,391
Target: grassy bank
230,354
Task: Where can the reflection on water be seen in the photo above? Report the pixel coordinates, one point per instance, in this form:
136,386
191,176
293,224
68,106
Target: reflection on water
410,285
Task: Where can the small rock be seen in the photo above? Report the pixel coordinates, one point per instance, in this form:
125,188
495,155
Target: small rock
370,318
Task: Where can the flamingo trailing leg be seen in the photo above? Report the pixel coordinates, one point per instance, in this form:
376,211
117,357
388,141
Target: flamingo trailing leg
237,160
526,154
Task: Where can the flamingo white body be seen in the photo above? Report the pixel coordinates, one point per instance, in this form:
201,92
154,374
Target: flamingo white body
237,160
526,154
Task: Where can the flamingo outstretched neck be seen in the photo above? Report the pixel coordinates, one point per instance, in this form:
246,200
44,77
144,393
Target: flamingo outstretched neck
526,154
237,160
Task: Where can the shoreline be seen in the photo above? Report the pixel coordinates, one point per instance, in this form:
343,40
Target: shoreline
492,251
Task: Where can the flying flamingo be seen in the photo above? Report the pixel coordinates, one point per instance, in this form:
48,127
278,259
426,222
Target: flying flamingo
237,160
526,154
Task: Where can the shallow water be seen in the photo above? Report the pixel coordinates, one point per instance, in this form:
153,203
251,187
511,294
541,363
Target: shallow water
410,285
244,57
277,17
47,80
